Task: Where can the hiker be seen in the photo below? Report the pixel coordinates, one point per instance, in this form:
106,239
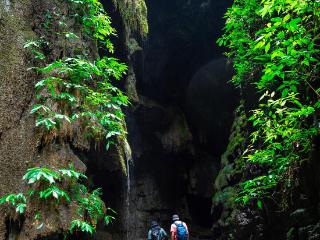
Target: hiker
179,229
156,232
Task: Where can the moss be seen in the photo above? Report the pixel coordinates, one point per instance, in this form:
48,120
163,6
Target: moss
122,161
123,153
223,177
226,197
237,136
230,159
130,86
134,14
133,46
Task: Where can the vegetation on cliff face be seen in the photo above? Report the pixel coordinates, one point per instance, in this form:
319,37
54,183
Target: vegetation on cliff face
77,90
51,187
275,46
75,99
134,14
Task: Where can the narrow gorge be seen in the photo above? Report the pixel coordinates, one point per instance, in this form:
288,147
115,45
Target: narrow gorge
116,113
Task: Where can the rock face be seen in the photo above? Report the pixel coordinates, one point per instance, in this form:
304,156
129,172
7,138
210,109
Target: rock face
208,90
17,138
167,175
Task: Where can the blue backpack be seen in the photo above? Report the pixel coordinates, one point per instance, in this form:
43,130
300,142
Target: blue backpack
182,233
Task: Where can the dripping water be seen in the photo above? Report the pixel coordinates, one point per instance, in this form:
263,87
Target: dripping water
144,45
129,163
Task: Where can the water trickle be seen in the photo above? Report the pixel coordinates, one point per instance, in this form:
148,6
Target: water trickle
7,5
144,45
128,155
129,162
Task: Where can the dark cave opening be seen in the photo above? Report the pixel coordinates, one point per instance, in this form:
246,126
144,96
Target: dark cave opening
181,45
182,39
176,145
179,50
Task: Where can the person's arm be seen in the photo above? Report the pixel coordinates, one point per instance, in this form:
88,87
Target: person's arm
172,231
172,235
185,225
164,234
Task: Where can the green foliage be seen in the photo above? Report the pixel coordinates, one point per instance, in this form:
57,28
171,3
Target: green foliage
75,92
55,192
35,47
91,205
48,184
94,105
78,225
71,174
95,20
41,174
109,218
274,46
16,200
282,136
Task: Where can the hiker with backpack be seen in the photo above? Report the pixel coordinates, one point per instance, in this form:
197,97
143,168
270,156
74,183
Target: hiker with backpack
179,229
156,232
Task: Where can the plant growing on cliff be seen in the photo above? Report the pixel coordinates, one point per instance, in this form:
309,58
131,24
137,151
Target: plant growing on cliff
78,91
34,46
75,94
94,106
18,201
57,186
274,46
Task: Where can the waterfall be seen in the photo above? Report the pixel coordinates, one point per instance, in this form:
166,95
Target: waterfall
129,163
7,5
144,45
127,221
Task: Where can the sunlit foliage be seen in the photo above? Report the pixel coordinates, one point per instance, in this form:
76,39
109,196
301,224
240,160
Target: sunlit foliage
274,45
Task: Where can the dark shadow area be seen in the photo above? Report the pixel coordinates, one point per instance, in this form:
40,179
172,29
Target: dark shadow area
181,40
182,67
13,228
180,126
